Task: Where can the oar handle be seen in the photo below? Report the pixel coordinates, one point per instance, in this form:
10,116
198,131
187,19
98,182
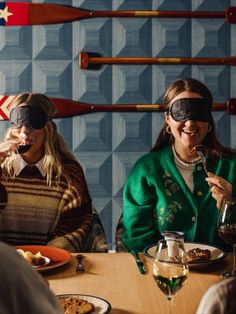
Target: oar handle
231,15
231,106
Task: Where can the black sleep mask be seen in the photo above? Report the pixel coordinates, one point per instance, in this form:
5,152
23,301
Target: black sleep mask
28,115
191,109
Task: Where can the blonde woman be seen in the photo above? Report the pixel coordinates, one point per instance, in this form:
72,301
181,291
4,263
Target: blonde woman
44,197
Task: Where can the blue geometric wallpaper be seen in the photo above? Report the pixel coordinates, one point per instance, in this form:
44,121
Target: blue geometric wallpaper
45,59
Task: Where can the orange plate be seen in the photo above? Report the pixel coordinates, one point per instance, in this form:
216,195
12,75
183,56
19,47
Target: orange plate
58,257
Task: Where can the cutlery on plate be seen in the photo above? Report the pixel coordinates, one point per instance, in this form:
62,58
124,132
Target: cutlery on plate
80,266
139,263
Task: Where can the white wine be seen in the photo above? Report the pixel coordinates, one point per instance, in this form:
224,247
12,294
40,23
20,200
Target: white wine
170,271
169,277
170,286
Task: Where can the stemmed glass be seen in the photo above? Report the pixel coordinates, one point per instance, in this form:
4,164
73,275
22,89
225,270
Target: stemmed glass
170,268
227,230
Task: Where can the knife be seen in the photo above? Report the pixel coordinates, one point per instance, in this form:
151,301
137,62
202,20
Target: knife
138,262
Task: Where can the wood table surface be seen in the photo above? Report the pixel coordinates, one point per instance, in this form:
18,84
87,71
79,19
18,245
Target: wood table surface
116,278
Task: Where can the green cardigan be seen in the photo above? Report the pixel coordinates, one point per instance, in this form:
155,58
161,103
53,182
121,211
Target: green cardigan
156,198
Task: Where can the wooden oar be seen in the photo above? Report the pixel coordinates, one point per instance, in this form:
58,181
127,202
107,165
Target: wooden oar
69,108
88,60
25,13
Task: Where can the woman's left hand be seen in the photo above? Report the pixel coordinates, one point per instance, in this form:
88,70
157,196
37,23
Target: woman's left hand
221,189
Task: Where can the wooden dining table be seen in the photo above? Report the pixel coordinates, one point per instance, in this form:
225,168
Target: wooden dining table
115,277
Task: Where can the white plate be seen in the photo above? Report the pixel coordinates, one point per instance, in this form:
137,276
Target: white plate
101,306
216,253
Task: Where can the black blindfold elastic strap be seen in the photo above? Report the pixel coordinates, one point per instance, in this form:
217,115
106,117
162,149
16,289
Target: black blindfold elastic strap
191,109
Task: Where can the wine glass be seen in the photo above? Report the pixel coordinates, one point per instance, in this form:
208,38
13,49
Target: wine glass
22,140
170,267
227,230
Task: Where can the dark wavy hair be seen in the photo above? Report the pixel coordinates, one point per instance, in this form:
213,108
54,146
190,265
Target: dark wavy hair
214,147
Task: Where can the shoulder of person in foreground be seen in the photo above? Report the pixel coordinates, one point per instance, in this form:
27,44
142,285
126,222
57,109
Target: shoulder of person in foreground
22,288
219,298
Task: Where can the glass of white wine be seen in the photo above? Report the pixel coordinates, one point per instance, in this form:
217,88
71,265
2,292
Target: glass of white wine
170,267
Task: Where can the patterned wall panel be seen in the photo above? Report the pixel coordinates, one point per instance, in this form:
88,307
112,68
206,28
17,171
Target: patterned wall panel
45,58
16,41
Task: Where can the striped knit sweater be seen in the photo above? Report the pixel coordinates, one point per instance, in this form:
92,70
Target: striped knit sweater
31,212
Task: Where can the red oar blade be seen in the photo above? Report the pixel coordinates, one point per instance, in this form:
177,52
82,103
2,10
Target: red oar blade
5,106
24,13
14,14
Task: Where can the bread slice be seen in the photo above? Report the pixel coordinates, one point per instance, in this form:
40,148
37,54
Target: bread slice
75,305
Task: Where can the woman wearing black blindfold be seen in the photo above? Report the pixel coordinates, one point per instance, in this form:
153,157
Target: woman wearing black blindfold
44,197
169,189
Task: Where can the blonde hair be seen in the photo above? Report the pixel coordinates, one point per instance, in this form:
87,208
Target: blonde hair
55,148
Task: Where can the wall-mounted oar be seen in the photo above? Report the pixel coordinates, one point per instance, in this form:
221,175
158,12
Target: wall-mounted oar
68,108
24,13
91,60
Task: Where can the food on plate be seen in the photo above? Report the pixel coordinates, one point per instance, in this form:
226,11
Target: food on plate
34,259
75,305
197,254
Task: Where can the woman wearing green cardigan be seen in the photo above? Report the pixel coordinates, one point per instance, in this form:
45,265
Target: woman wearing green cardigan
168,189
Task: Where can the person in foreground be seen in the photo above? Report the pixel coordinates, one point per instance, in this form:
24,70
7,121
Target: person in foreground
219,298
22,288
168,189
44,199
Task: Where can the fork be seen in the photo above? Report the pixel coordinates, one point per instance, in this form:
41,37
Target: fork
80,265
203,160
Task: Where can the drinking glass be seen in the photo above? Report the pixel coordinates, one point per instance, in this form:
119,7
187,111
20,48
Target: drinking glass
227,230
21,140
170,267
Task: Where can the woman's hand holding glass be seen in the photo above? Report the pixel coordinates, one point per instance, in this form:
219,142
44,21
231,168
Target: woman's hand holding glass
170,268
8,147
17,140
